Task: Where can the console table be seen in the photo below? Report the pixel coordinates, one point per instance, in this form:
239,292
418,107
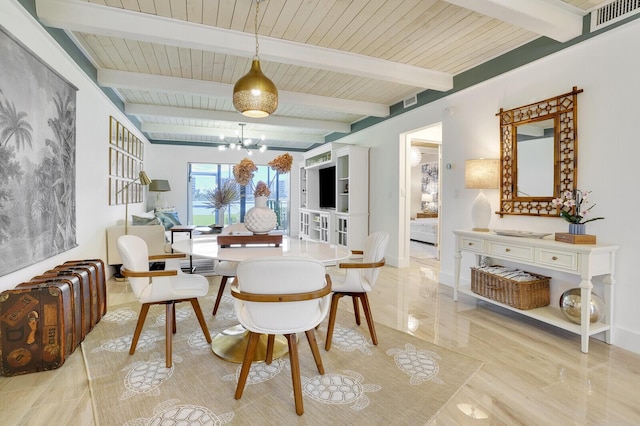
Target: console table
583,260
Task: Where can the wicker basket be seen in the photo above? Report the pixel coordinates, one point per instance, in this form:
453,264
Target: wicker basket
518,294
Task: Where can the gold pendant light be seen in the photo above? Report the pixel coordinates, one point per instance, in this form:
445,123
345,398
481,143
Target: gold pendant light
254,95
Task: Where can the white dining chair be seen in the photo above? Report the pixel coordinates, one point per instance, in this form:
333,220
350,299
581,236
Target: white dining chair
281,295
359,279
226,269
164,287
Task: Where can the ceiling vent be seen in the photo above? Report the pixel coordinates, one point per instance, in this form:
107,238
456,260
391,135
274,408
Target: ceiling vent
612,12
412,100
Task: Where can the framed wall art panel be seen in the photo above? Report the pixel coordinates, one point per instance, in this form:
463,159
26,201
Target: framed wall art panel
37,158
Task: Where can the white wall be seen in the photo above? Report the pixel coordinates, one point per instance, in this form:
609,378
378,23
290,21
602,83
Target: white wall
93,109
609,147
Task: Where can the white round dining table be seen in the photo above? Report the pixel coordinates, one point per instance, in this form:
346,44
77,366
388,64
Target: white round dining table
208,247
231,343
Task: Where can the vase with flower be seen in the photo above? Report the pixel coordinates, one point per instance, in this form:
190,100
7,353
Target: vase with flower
260,219
220,199
575,207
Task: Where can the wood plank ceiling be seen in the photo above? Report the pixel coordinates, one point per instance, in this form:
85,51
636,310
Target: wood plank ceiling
174,62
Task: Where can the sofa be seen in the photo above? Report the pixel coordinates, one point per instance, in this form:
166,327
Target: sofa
154,236
424,230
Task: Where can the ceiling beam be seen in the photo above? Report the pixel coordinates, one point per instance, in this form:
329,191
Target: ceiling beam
93,18
203,114
554,19
159,83
214,133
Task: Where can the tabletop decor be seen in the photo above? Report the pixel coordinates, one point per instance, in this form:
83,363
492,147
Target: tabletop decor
571,307
260,219
574,208
220,198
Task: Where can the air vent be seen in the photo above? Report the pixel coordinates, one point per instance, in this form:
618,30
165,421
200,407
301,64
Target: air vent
412,100
613,12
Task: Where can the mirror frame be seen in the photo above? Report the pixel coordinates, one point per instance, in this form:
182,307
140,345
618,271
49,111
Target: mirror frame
563,109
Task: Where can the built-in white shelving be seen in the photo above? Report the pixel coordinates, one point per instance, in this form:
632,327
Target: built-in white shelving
348,223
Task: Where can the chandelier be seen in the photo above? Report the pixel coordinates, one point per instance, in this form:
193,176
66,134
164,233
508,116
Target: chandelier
241,143
254,95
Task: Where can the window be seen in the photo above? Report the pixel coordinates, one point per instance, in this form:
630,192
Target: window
204,177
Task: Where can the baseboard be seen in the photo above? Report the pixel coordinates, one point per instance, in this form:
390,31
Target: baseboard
627,339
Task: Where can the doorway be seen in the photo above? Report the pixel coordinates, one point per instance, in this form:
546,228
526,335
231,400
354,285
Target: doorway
423,194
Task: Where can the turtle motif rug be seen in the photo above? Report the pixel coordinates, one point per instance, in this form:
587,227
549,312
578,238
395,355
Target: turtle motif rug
403,380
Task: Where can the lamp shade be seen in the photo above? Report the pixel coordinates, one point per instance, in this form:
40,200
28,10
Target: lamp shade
159,185
144,179
254,95
482,173
415,156
427,198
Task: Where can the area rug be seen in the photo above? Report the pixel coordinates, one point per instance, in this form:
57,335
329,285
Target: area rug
403,380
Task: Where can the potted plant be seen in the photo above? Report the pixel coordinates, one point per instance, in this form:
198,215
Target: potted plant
574,208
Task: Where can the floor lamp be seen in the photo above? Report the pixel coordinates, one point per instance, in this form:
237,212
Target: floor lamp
144,180
481,174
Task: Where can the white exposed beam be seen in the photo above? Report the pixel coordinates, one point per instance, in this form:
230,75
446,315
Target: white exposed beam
93,18
554,19
152,82
202,114
212,132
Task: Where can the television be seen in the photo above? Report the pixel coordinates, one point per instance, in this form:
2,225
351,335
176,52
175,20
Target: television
327,187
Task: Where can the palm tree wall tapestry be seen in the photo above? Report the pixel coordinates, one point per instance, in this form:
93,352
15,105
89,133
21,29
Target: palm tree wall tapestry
37,159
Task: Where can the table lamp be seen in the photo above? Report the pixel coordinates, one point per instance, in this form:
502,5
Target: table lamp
144,180
159,186
481,174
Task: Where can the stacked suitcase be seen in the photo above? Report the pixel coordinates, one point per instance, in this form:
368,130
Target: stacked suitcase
43,320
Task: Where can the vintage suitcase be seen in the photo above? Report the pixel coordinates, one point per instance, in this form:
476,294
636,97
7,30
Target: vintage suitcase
35,327
100,282
89,312
79,281
66,307
89,292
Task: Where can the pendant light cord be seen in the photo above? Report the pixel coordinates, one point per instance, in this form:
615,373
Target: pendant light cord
256,25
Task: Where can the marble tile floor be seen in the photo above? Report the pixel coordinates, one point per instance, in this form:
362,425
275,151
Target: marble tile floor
533,373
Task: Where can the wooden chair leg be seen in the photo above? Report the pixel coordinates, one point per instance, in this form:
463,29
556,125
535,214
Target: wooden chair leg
313,344
246,362
271,339
223,283
136,334
295,372
332,319
367,313
170,313
356,308
173,320
203,325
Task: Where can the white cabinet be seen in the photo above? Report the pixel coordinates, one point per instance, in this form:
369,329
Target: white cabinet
352,204
321,227
583,260
304,224
315,225
342,235
348,222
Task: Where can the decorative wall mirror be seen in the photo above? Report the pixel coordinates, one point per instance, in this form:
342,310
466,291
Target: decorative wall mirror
538,155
